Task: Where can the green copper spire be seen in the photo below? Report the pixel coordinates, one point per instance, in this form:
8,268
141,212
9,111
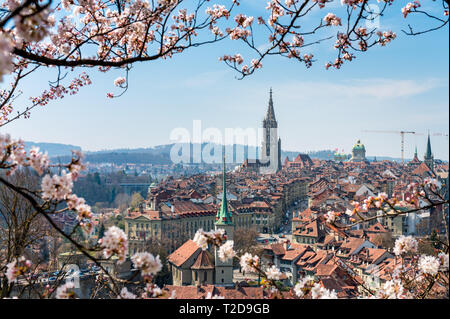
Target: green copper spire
415,152
223,216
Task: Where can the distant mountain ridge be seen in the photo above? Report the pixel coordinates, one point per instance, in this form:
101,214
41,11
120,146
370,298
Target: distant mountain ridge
160,154
53,149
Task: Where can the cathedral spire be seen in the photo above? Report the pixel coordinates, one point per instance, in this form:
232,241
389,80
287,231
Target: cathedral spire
223,215
428,153
270,111
428,158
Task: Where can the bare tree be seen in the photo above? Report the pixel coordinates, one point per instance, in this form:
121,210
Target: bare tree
22,230
245,240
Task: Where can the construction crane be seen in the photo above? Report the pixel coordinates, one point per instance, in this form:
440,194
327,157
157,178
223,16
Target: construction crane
441,134
402,133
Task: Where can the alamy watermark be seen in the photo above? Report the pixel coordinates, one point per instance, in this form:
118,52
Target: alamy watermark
234,145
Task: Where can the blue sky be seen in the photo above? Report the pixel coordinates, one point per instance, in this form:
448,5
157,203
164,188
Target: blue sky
403,86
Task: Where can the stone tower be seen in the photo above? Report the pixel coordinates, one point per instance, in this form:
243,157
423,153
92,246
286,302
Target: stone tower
428,158
224,220
271,144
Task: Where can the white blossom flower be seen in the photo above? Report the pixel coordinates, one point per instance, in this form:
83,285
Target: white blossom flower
119,81
11,271
57,187
248,262
156,292
319,292
332,19
392,289
125,294
226,251
210,296
147,263
18,154
38,160
201,240
382,196
216,237
349,212
273,273
429,264
331,216
64,292
405,244
114,242
17,267
298,288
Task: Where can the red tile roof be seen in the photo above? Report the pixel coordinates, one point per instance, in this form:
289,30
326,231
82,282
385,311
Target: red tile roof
204,261
183,253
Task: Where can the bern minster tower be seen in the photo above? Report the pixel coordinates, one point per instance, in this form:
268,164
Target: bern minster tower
224,220
271,144
428,158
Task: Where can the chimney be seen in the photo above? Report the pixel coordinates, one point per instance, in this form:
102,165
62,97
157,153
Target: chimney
286,244
172,209
153,203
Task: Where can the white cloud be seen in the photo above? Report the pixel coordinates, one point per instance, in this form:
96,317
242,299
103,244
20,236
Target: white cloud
363,88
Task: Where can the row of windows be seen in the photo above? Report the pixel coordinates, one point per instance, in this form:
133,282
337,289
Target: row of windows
194,225
306,240
142,225
205,224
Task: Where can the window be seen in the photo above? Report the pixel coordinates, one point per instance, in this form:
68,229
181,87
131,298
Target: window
222,271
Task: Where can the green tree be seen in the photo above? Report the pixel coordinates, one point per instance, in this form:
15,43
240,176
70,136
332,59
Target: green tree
136,199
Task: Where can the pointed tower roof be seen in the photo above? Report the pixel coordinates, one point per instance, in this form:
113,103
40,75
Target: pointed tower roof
415,158
428,154
270,116
223,216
